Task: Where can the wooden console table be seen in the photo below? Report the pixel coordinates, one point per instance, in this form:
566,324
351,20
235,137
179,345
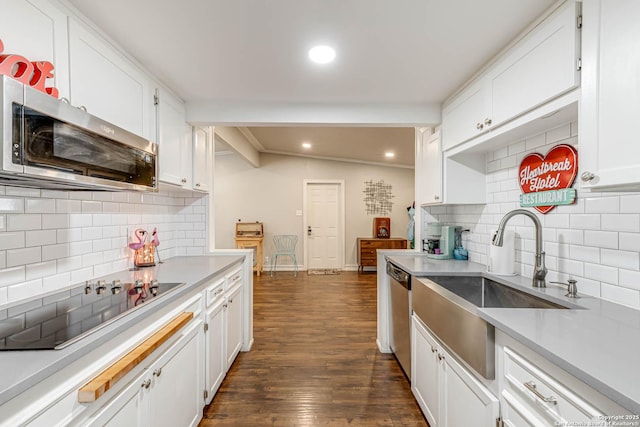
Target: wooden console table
249,235
367,248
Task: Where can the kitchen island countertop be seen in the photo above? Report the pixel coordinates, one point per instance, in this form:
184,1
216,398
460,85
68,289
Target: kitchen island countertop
23,369
598,343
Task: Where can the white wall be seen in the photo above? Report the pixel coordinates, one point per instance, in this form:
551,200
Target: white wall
273,192
50,240
596,240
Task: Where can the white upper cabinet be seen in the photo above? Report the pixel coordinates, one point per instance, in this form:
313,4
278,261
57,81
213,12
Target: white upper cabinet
538,68
202,158
38,31
610,103
106,83
174,140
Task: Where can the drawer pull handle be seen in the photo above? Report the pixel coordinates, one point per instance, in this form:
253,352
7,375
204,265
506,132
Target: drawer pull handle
433,350
146,384
440,356
531,386
157,372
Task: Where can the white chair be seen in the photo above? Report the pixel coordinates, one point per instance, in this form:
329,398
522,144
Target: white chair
285,246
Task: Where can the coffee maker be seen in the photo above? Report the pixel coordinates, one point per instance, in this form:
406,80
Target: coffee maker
440,241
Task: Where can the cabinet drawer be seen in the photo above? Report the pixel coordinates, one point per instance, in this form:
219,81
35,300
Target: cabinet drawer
214,292
375,244
544,397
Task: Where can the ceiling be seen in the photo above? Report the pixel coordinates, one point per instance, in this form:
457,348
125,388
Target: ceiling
408,53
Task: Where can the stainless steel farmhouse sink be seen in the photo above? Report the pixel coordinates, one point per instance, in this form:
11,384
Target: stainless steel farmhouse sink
450,307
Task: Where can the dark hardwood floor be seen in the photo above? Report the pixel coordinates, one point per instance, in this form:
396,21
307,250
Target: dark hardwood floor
314,361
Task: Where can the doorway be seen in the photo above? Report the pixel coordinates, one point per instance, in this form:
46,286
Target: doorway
323,220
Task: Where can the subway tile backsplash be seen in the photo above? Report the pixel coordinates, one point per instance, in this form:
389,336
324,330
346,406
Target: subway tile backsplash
595,241
50,240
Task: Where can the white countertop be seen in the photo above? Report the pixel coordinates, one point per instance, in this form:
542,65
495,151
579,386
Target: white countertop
599,343
23,369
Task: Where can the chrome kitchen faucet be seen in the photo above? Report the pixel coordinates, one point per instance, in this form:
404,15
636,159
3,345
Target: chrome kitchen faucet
539,270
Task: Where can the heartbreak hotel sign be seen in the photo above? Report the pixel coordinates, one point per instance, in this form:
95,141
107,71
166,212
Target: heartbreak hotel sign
546,181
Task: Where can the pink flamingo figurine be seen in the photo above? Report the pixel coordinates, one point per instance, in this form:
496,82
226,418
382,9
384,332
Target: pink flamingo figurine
156,242
140,235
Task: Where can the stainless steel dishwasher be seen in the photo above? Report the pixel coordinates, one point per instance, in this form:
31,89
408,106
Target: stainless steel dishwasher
400,316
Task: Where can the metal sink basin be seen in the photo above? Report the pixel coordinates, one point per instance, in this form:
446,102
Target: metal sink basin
450,306
486,293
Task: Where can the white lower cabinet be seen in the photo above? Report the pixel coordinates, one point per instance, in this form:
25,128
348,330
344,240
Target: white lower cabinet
535,392
233,322
447,393
167,393
215,352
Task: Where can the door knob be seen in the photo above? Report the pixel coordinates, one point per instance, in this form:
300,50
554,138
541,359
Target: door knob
309,230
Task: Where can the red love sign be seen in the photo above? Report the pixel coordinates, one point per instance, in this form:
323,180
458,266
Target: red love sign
555,171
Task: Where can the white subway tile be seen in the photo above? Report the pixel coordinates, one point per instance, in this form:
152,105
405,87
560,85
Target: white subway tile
40,270
602,239
52,252
58,281
621,295
120,197
11,276
585,221
110,207
584,253
79,276
621,222
69,264
575,237
54,194
535,142
24,222
40,237
23,256
24,290
556,220
55,221
80,248
601,273
41,206
12,240
67,206
102,196
629,279
630,203
91,233
11,205
559,134
4,296
602,205
103,269
101,245
571,267
80,220
3,259
91,206
629,241
622,259
100,220
589,287
93,258
81,195
22,192
67,235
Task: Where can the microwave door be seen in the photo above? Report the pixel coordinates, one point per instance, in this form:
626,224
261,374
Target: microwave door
11,98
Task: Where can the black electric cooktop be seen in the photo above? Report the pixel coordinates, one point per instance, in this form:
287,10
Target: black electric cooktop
56,321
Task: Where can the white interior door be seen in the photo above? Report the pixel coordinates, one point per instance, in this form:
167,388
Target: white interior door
324,218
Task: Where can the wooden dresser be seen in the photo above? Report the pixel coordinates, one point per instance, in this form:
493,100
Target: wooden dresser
367,256
249,235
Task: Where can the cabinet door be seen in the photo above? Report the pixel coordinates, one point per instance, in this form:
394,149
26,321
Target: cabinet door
172,148
106,83
433,169
37,30
465,117
425,372
465,401
541,67
202,159
176,395
127,407
233,321
610,105
215,353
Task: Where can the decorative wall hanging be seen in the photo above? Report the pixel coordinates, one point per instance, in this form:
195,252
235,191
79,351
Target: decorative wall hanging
377,197
34,74
546,181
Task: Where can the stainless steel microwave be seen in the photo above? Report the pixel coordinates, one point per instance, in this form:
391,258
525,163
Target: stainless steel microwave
48,143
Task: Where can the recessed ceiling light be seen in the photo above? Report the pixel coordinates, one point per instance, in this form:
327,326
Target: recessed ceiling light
306,145
322,54
389,154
